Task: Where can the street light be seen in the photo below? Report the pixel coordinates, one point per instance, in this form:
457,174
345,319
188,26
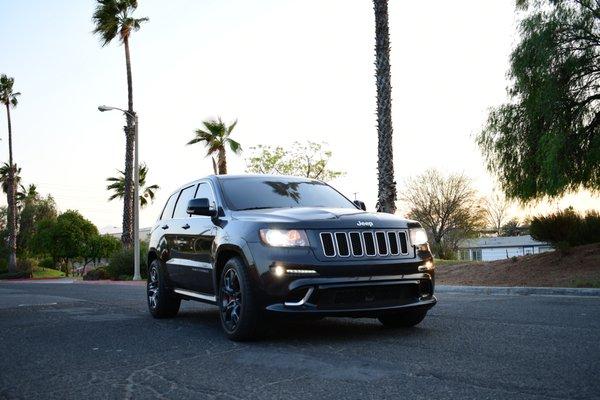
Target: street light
136,195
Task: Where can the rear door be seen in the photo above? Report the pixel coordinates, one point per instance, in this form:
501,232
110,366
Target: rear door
164,230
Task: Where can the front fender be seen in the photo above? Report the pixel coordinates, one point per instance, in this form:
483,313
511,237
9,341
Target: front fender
224,248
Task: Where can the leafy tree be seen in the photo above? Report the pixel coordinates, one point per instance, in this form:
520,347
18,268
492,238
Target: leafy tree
98,247
113,18
216,136
448,207
65,238
546,140
512,228
35,209
308,159
9,98
386,193
117,186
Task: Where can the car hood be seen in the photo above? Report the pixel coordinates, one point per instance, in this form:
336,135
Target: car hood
322,218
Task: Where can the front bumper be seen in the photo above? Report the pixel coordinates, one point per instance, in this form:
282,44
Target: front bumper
357,296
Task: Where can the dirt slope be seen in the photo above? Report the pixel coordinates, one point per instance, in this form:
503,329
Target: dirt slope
580,267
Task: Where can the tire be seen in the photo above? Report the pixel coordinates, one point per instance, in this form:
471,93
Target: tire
162,302
238,309
402,320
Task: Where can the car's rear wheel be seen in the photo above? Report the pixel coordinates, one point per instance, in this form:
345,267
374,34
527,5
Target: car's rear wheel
162,302
240,316
402,320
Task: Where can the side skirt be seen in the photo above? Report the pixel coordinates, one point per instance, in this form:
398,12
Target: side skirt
205,298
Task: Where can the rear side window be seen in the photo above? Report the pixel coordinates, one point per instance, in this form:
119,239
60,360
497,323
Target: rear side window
181,208
168,210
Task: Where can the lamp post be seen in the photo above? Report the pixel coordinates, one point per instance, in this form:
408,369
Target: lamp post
136,193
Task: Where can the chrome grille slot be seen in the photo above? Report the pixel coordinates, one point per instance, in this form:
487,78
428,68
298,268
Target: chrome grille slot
356,244
342,244
382,246
393,241
403,244
369,243
328,246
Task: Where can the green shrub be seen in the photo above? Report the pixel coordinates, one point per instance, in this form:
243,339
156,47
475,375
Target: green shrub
96,274
26,265
120,264
47,262
566,228
16,275
25,268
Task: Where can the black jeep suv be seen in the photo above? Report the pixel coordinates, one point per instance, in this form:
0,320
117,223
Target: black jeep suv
259,245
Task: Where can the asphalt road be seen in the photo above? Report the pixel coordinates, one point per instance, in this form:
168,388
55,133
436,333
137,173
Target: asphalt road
72,341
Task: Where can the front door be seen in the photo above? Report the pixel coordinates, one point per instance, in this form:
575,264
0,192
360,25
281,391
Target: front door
194,239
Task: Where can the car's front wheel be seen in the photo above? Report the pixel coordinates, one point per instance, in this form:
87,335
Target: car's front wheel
237,303
402,320
162,302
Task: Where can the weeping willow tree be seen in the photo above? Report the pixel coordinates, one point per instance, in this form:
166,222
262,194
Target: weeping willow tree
545,140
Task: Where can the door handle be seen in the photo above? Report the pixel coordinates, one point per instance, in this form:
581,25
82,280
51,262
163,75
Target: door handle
186,226
165,226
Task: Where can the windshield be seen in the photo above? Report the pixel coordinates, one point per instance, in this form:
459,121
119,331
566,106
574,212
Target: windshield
269,192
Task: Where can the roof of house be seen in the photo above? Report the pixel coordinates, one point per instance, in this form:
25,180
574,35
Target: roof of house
508,241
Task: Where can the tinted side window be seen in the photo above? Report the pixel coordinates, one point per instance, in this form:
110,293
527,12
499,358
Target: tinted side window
181,208
204,192
168,210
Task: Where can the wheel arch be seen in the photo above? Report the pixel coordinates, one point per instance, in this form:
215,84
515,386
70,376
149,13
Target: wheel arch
224,253
152,256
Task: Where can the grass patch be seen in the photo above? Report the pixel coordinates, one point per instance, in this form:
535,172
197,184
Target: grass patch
444,263
41,273
582,283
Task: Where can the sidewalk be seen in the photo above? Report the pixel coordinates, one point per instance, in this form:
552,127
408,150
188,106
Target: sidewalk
76,281
519,290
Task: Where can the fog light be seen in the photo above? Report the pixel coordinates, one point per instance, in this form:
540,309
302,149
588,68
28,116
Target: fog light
301,271
279,271
428,266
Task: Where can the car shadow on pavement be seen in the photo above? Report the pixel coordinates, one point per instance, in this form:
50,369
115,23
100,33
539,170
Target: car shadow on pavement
278,329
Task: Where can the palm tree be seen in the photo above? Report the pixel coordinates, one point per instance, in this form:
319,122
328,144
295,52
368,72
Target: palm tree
20,191
5,176
386,197
117,185
9,99
216,136
114,18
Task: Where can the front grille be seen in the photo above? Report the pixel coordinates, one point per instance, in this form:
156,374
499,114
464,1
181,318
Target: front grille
365,243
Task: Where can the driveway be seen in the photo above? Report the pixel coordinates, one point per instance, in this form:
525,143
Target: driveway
68,341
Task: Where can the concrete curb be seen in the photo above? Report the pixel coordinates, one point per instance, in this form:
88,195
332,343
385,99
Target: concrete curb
519,290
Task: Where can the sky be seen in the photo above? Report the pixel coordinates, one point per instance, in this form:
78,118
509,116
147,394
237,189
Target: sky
287,70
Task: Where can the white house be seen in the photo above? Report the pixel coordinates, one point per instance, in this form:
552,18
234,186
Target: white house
116,232
497,248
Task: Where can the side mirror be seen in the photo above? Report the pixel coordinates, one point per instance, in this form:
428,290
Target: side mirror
360,205
201,207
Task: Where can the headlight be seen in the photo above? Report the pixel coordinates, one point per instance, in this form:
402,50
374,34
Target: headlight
284,237
418,236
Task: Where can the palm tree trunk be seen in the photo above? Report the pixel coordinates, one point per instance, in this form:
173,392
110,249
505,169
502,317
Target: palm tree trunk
10,199
386,200
222,161
127,235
